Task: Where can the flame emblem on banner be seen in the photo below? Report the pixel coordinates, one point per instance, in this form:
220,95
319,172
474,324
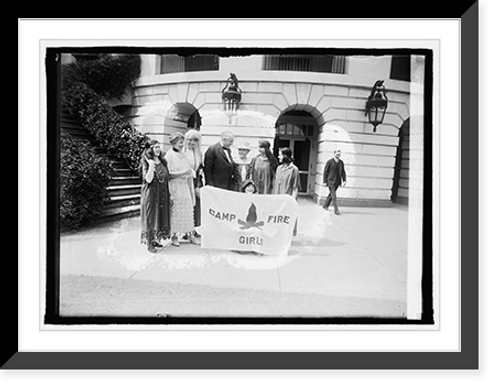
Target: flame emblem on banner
251,220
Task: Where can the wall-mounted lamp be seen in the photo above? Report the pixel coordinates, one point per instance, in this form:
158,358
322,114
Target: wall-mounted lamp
376,105
231,95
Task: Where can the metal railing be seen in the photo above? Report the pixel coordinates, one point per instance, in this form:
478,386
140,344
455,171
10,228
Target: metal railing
305,63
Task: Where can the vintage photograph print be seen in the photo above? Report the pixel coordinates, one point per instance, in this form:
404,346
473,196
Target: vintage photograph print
215,185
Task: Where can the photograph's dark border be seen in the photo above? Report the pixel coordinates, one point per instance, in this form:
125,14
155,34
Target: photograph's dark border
466,358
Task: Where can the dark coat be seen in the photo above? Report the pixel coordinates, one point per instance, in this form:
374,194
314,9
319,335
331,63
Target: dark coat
219,171
334,173
155,204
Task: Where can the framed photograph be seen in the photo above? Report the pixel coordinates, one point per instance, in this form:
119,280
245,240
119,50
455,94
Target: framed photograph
333,260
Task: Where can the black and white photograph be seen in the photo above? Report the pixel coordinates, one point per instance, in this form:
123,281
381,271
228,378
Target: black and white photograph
265,195
235,185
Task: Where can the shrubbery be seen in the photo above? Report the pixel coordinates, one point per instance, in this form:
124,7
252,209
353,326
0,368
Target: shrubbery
108,75
111,129
87,84
84,178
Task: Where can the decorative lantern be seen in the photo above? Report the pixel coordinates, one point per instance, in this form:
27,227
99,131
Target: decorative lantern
376,105
231,95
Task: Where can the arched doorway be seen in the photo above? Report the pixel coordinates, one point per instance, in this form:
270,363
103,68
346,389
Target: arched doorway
298,130
182,116
400,185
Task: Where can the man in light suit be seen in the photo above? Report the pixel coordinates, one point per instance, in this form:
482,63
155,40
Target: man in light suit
333,177
219,166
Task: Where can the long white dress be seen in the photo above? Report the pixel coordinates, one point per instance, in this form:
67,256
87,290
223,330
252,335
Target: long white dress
182,197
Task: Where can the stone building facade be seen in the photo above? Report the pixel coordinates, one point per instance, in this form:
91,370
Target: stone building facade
311,104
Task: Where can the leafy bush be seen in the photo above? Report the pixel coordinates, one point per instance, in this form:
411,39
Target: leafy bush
87,84
84,178
109,75
111,129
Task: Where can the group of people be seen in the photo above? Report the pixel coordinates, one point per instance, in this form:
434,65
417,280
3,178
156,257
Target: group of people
170,194
263,173
170,204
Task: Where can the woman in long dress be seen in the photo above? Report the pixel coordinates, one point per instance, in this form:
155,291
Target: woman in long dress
263,168
195,158
182,197
155,197
287,180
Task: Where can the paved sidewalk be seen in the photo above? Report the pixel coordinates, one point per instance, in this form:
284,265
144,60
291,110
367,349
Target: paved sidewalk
348,265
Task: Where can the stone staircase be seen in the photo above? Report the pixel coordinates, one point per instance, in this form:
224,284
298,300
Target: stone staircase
124,189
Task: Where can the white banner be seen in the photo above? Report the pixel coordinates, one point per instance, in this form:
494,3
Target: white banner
247,222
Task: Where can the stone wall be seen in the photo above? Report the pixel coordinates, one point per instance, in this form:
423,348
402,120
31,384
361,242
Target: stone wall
336,102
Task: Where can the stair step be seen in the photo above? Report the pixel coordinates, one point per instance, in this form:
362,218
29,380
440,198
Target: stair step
124,190
125,180
117,164
120,201
125,172
120,212
125,197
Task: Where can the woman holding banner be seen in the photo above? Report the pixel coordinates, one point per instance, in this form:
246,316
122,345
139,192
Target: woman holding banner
182,195
263,168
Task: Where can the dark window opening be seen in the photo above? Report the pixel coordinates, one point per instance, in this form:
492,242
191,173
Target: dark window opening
173,63
400,68
305,63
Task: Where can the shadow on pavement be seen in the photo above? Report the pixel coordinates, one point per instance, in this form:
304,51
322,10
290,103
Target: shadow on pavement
317,242
357,213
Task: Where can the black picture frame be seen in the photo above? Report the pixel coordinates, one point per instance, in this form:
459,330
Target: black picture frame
466,358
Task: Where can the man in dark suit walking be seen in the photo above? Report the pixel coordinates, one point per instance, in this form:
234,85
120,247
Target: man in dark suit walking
333,177
219,167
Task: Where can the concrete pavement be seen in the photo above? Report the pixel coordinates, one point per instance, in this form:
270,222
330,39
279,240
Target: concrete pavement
354,264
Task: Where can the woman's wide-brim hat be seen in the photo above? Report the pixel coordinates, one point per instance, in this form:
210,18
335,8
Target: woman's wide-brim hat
244,145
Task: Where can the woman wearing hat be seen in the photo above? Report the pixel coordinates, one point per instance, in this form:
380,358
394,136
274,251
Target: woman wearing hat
182,197
243,162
